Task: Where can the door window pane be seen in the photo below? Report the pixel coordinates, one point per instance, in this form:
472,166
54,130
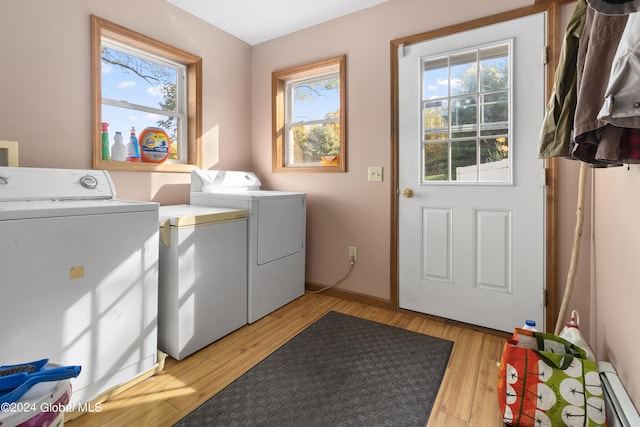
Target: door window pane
435,78
464,73
436,165
494,68
436,115
494,160
464,160
464,112
495,107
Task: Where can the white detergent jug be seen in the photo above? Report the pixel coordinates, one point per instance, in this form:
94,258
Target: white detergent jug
571,333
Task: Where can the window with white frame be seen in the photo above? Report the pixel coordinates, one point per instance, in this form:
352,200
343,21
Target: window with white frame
466,97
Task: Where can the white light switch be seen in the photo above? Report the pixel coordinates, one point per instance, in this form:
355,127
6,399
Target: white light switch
375,173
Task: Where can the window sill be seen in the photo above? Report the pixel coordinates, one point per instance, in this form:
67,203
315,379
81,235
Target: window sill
143,166
304,169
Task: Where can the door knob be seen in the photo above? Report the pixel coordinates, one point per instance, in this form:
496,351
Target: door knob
408,193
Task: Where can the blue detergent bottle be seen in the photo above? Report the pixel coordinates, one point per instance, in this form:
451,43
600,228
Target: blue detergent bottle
133,149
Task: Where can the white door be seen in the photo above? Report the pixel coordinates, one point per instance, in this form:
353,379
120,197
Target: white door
472,202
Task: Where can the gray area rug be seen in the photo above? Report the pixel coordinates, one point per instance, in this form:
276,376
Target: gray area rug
340,371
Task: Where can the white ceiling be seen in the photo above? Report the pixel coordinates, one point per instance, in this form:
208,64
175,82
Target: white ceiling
255,21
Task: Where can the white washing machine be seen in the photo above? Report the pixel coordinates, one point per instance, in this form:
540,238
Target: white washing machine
276,234
78,276
203,276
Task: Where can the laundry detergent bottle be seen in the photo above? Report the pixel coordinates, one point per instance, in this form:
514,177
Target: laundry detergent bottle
133,149
154,145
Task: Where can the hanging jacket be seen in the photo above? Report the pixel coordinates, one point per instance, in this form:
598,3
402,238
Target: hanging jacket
622,98
596,142
597,48
556,134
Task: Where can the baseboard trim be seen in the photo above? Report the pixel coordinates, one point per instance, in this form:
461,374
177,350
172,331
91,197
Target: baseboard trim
349,295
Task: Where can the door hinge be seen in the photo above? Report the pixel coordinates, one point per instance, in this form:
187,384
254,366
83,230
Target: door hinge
402,50
545,55
545,297
544,177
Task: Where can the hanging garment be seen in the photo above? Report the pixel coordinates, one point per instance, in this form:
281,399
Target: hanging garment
596,51
596,142
599,147
630,146
622,97
556,134
615,7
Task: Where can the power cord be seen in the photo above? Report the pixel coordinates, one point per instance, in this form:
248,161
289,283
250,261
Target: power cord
337,283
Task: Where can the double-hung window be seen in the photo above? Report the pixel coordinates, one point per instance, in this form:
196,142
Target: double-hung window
309,126
142,86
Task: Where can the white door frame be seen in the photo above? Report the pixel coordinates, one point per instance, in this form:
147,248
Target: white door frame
551,203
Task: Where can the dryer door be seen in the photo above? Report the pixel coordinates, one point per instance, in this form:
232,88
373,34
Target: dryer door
281,227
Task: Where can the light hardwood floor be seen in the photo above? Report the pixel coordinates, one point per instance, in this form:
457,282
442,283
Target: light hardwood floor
467,396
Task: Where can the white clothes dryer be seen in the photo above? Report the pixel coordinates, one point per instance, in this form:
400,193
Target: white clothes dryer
78,275
276,235
202,278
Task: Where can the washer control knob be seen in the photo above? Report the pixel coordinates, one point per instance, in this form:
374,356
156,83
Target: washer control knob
88,181
4,180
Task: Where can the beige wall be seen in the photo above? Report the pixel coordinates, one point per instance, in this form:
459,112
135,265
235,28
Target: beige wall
617,281
45,101
45,104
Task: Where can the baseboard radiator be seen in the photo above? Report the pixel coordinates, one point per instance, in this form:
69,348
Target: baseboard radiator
620,409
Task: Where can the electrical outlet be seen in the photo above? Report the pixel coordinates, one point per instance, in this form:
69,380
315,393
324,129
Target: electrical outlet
353,254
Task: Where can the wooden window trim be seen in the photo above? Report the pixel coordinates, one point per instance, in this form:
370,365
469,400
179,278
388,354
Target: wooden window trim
278,83
100,28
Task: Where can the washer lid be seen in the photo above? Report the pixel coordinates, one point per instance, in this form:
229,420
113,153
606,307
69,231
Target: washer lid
186,215
61,208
